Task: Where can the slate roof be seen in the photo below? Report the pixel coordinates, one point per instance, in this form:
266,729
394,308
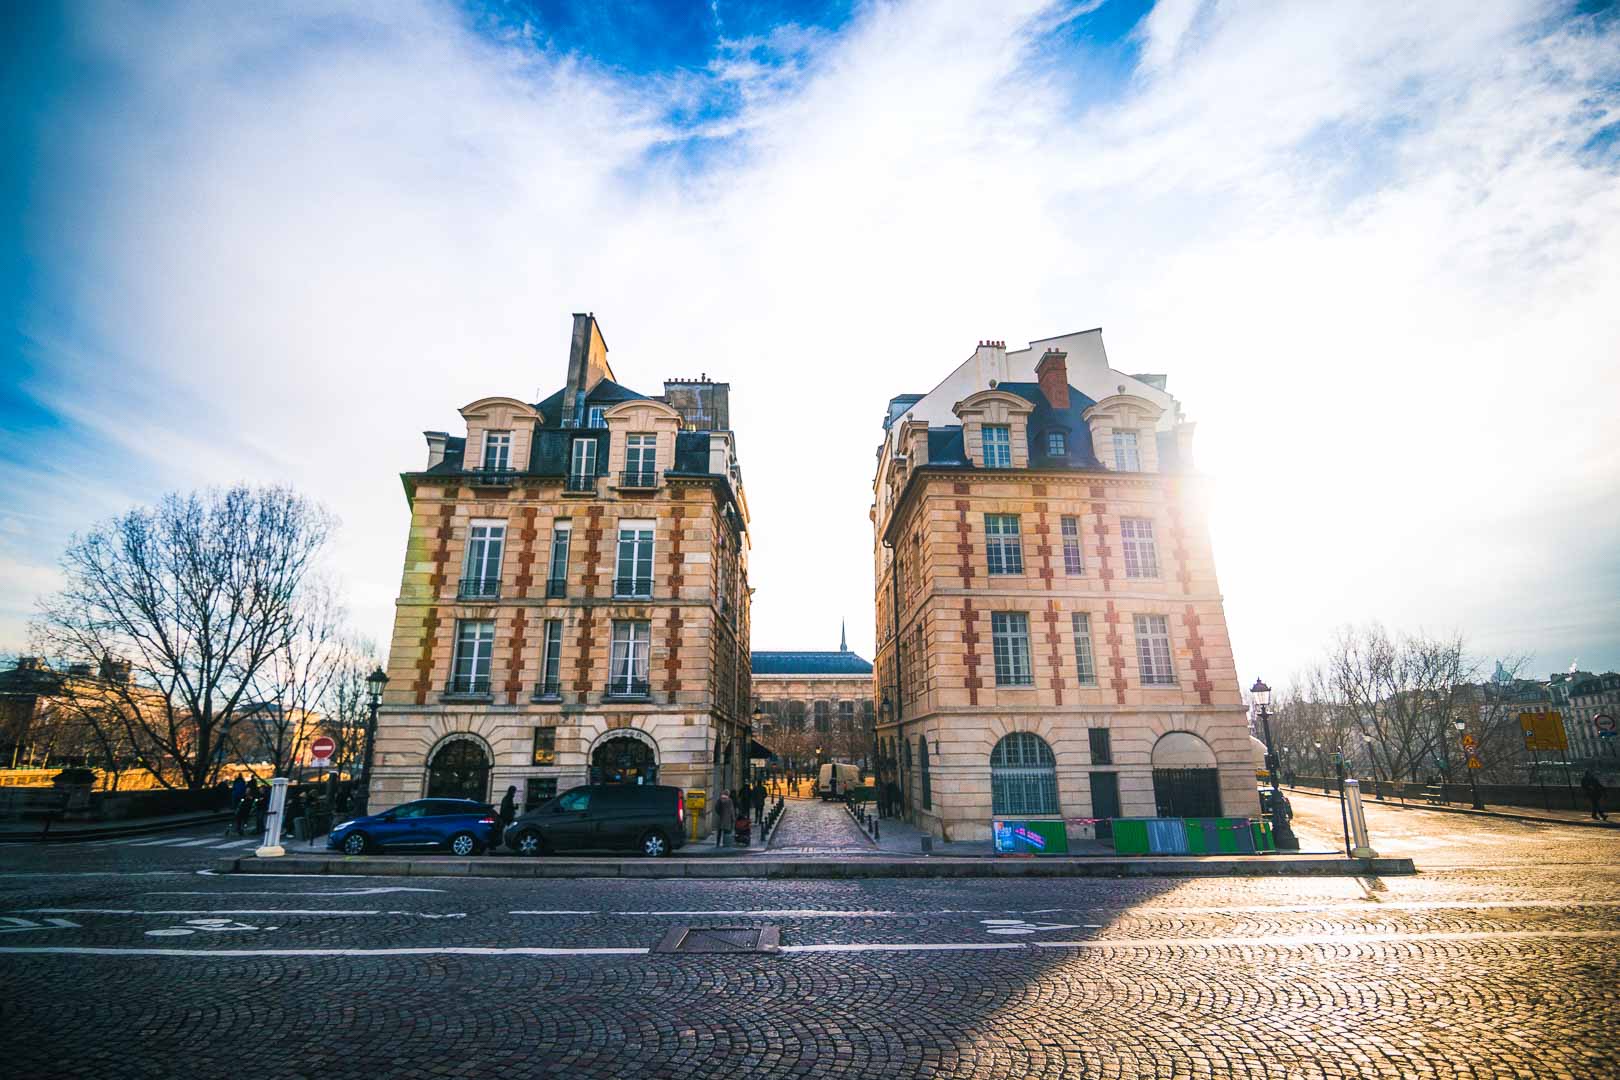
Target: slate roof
834,662
945,446
606,392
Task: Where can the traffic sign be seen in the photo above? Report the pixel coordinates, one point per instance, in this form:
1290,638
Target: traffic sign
1543,730
323,748
1469,742
1474,762
1605,725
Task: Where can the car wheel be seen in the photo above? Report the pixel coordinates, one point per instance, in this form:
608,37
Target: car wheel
354,844
464,843
654,845
530,844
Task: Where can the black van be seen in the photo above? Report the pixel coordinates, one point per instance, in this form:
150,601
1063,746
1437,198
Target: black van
649,818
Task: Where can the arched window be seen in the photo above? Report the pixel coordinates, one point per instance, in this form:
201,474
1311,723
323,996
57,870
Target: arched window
1023,776
927,786
1186,780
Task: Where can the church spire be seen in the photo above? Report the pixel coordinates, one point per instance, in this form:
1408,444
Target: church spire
843,637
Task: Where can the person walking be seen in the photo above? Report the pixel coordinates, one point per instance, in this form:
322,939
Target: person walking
725,819
759,802
261,806
1594,793
244,807
238,789
508,813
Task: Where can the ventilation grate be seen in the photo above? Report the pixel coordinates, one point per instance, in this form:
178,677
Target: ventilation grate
720,939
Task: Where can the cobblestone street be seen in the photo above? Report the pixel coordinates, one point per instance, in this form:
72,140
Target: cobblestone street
810,826
1501,959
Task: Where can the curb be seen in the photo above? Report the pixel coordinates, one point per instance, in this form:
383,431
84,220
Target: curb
1505,815
787,869
114,832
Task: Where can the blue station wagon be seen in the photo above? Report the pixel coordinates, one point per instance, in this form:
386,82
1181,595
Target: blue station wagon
459,826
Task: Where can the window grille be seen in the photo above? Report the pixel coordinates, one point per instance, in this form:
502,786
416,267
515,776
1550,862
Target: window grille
1009,636
1003,549
1023,776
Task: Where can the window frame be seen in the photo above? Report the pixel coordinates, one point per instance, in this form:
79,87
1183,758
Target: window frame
562,535
1001,456
637,536
551,658
499,441
1074,557
1149,653
1003,549
631,641
1139,547
1128,453
1100,741
1009,631
1023,783
546,734
644,447
482,653
576,458
1085,662
594,420
476,560
1057,444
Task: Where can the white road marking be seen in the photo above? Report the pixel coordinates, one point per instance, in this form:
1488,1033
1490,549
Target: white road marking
20,925
332,892
463,950
909,946
197,843
222,911
1019,926
1282,941
235,844
153,843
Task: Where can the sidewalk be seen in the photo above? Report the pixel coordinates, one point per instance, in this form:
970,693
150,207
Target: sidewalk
1509,813
107,830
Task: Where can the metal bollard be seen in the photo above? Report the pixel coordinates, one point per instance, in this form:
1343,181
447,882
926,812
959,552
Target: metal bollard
874,829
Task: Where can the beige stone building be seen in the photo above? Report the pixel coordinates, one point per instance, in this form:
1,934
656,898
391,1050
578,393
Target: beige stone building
575,605
815,706
1051,637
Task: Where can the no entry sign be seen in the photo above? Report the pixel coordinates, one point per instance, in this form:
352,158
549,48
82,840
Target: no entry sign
323,748
1604,724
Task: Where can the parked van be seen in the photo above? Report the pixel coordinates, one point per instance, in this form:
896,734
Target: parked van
649,818
848,776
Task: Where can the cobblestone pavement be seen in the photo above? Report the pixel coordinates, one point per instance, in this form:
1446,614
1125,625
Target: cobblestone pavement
1501,960
811,826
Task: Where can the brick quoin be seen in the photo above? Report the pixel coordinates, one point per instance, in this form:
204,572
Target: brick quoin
514,666
1115,659
1053,637
424,661
1200,666
970,658
593,549
525,576
1105,573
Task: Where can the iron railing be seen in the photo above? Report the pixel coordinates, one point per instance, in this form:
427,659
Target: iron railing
577,482
468,684
479,588
548,688
633,587
493,477
644,479
627,688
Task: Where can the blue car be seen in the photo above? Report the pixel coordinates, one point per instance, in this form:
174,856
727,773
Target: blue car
459,826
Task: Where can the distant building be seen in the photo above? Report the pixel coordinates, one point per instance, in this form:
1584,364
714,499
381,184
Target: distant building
816,706
1582,697
575,602
1051,640
48,716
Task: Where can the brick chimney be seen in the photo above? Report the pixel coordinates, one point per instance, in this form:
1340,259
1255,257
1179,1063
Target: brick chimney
1053,374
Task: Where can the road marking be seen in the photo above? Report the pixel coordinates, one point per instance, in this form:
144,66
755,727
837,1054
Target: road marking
220,911
908,946
1019,926
19,925
198,843
236,843
332,892
152,843
458,950
1284,941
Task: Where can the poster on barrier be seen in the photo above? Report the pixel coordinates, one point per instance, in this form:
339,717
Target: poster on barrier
1029,837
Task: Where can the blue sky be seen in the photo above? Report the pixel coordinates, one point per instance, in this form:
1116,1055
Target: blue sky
1374,247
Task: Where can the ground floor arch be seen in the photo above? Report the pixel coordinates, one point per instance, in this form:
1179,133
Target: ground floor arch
625,756
459,769
1186,781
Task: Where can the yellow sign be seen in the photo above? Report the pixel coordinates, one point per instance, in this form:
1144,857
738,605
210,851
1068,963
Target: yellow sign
1474,762
696,799
1543,730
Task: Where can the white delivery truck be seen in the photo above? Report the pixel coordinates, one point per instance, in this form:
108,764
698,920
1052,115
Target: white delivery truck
836,780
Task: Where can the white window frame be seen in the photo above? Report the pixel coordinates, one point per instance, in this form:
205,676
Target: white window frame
582,453
1062,442
562,535
594,417
1074,560
637,537
472,668
643,450
1003,545
998,450
551,653
486,545
1009,646
499,443
1127,452
1140,550
1154,657
631,655
1085,656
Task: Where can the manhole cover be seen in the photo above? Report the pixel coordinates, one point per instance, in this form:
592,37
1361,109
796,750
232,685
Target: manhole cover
720,939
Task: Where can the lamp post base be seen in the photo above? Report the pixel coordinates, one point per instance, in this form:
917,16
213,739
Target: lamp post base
1282,834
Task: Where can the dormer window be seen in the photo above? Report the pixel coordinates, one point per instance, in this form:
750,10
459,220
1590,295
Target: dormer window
997,446
593,417
1056,444
1127,456
497,450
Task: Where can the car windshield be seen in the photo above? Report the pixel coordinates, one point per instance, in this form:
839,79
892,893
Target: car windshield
579,799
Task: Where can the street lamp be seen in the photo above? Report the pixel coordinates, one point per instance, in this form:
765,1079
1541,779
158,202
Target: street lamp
1281,832
374,689
1473,777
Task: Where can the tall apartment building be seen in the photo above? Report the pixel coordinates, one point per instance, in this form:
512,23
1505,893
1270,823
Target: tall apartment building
1051,637
575,605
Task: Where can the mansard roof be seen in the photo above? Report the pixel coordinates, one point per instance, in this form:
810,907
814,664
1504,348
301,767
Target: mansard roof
833,662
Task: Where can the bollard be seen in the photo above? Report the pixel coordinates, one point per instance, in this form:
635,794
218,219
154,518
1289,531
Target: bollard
1359,847
272,821
927,844
874,829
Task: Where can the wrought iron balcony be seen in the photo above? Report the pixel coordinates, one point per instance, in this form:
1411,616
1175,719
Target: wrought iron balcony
468,684
627,688
635,588
556,588
647,478
578,482
548,688
479,588
493,477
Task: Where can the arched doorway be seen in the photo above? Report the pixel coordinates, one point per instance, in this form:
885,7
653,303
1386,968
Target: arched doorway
624,759
1186,782
460,770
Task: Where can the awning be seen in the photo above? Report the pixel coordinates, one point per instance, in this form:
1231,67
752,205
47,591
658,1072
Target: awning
757,749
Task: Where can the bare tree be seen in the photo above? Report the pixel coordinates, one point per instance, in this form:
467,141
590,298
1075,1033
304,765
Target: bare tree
196,595
347,703
293,685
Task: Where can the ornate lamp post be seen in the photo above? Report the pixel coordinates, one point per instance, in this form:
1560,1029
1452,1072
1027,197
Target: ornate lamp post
1473,778
1281,831
374,689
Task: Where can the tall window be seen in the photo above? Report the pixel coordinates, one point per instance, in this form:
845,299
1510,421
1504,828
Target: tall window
1141,554
1102,746
594,418
1073,563
557,578
997,446
1153,650
498,450
1056,444
846,716
634,576
630,644
927,783
481,572
475,645
1003,549
795,716
823,717
551,659
1023,776
1085,662
582,462
545,746
640,459
1127,458
1009,638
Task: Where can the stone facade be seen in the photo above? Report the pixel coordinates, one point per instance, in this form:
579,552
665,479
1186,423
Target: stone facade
573,653
815,706
1095,626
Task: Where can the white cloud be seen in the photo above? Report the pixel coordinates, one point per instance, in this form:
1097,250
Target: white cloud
1361,241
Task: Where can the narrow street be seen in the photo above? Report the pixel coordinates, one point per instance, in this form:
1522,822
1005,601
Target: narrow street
813,827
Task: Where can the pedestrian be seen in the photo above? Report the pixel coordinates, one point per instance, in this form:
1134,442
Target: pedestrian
759,802
1594,792
725,818
882,799
261,806
508,812
894,798
295,810
238,789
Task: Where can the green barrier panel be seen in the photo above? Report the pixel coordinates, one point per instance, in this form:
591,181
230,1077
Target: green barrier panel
1261,830
1198,838
1130,836
1229,842
1030,837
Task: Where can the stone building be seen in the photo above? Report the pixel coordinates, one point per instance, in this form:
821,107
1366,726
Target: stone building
815,706
575,603
1582,697
1051,637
